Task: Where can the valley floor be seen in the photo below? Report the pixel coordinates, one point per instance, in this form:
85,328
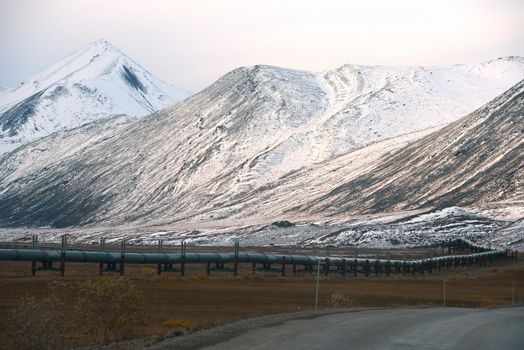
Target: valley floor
201,301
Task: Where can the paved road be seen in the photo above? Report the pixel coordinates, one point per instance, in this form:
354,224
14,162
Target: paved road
437,328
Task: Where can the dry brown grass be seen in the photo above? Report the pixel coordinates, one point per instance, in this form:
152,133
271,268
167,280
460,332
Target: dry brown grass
203,301
74,314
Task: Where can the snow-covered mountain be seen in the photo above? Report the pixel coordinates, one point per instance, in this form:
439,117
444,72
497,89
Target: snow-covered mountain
258,144
94,82
475,160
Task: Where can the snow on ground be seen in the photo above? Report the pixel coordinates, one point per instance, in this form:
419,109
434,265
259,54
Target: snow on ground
382,231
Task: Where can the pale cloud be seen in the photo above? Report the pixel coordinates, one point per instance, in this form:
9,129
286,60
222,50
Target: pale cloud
192,43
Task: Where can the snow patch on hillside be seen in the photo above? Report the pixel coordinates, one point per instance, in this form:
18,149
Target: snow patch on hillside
424,229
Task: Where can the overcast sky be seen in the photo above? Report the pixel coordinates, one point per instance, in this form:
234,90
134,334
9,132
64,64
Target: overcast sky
192,43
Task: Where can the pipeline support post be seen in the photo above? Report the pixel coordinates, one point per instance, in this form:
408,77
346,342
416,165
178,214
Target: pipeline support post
183,260
160,248
101,247
122,257
62,255
235,267
34,245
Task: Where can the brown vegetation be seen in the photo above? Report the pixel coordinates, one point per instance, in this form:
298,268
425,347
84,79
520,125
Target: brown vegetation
72,314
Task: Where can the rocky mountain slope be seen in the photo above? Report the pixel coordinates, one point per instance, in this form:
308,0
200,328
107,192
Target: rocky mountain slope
94,82
264,142
478,159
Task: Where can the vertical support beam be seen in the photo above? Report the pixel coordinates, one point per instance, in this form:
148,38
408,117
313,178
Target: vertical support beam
122,256
62,255
160,249
254,268
34,245
283,266
344,264
294,269
235,267
326,267
208,268
183,262
101,247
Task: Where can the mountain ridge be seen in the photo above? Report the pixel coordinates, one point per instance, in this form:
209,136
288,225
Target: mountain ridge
488,143
253,128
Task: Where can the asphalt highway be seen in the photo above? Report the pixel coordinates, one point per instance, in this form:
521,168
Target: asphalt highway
433,328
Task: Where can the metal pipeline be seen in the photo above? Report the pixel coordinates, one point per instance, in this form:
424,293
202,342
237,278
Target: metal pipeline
172,258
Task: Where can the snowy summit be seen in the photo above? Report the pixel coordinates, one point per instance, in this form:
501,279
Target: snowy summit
95,82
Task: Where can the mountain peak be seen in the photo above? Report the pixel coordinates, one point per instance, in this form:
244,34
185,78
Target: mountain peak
95,81
92,60
102,46
101,42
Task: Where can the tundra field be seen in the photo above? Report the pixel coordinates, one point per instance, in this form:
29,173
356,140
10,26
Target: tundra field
198,301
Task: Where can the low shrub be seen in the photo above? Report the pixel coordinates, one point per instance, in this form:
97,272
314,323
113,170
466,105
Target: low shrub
95,311
339,299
